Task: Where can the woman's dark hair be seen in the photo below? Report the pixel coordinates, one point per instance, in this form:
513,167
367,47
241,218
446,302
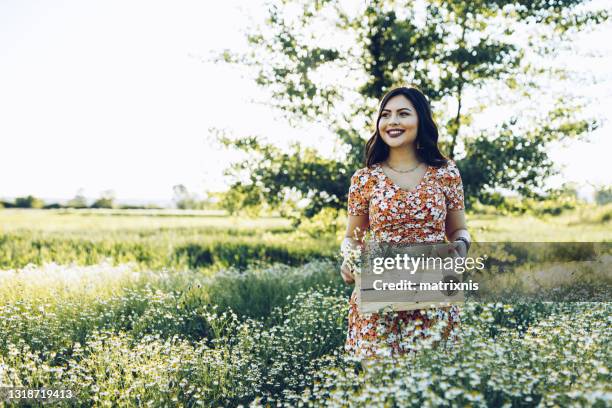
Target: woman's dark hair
377,150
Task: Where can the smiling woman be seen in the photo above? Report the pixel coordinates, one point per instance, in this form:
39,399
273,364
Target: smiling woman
407,193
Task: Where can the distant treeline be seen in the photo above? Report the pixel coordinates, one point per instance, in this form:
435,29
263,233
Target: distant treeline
565,198
183,199
35,202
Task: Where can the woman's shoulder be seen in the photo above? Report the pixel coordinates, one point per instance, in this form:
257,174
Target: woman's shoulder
363,175
447,170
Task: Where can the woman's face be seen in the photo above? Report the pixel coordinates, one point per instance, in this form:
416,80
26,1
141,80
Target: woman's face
398,122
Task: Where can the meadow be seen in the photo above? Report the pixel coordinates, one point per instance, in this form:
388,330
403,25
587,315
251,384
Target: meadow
202,309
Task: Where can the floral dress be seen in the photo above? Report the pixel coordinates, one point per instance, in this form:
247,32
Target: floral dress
403,216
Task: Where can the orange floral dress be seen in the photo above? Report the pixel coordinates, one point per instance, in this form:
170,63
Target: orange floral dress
400,216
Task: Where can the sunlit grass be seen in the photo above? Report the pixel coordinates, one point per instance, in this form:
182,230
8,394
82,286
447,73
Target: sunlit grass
527,228
53,282
153,241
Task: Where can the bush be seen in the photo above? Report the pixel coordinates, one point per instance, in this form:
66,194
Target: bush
53,206
327,222
103,203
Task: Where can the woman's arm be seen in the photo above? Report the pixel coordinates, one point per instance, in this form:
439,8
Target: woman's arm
456,227
356,227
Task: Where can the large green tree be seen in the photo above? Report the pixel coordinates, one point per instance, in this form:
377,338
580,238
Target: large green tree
330,61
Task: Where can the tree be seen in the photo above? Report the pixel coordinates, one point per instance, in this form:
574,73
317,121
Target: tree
106,200
29,202
79,200
324,63
185,200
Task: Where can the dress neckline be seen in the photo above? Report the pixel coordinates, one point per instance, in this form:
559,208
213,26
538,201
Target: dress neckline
394,184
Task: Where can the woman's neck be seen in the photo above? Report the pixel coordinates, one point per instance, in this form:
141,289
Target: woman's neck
403,157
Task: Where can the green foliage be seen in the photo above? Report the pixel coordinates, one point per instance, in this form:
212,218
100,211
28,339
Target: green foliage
185,200
276,178
242,200
106,200
508,161
103,203
328,222
450,57
29,202
52,206
78,201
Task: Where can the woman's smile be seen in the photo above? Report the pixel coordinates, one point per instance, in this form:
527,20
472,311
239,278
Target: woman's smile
395,132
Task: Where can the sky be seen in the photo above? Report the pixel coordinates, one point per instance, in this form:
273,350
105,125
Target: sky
120,95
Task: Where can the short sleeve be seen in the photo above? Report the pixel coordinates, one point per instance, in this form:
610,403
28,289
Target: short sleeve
358,197
453,187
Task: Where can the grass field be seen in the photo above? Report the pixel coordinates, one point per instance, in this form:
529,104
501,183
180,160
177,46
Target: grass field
157,309
155,240
158,239
584,225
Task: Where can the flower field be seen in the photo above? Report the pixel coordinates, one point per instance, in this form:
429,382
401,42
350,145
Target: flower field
163,331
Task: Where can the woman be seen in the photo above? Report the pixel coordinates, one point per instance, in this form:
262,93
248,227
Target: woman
407,193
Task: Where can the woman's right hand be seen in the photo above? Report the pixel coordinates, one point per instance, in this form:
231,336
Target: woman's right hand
346,273
356,228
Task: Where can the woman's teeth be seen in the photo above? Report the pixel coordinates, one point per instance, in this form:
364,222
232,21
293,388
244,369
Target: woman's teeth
394,133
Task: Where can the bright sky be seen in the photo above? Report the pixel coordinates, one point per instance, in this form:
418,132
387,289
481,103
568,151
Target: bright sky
115,95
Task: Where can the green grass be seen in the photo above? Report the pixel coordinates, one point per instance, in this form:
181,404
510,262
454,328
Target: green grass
36,236
171,310
587,224
130,220
155,239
